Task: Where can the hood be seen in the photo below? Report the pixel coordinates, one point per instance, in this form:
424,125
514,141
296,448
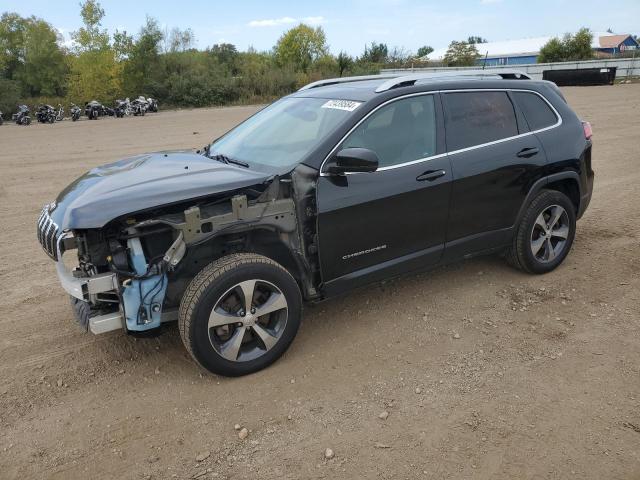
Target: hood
143,182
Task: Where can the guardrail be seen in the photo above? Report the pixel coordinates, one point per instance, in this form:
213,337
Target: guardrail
627,67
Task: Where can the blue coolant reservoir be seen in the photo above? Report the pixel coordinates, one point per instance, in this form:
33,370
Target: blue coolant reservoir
143,298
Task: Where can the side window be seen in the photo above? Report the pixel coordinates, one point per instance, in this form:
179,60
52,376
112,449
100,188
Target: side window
537,112
474,118
400,132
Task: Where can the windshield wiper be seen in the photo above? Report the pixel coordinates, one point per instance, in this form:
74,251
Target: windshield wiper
224,159
206,151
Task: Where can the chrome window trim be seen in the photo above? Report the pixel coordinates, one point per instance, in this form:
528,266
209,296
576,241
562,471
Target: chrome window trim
453,152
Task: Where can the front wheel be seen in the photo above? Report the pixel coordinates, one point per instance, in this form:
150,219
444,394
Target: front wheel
545,234
240,314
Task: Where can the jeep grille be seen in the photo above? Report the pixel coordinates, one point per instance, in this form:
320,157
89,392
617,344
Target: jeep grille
48,233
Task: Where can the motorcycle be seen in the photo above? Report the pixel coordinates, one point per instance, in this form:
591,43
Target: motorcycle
153,104
60,113
107,111
122,108
93,109
22,116
46,114
75,112
139,106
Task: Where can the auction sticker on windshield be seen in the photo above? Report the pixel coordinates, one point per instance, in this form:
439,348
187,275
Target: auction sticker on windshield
348,105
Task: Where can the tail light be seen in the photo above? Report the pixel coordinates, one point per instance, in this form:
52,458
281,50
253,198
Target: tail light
588,131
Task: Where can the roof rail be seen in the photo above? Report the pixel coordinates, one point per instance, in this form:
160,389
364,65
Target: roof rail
400,80
406,80
335,81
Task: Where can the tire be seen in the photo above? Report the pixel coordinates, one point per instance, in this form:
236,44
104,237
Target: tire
541,241
216,295
81,312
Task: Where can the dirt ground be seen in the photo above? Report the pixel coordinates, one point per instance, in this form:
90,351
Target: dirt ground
484,372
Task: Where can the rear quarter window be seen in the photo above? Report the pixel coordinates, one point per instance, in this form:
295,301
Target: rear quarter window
475,118
536,111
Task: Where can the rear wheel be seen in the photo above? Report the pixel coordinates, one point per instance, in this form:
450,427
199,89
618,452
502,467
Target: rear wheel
240,314
545,234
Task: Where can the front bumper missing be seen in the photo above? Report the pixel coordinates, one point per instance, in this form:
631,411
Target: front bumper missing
115,321
82,288
86,288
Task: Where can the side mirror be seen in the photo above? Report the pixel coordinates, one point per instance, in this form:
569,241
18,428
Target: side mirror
350,160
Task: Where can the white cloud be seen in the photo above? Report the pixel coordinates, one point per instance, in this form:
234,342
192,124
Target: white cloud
274,22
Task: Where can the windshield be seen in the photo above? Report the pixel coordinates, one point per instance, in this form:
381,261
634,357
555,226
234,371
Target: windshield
285,132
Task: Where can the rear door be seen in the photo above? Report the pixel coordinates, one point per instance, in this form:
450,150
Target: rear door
371,225
494,158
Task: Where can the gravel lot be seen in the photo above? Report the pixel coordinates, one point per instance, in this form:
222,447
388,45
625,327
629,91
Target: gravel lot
483,372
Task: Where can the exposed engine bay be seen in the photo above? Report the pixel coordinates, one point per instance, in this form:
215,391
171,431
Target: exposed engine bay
134,271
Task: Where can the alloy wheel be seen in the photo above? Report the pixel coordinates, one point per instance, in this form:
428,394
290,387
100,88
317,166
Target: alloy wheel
550,233
248,320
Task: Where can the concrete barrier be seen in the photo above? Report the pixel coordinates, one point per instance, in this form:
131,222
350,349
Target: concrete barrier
626,67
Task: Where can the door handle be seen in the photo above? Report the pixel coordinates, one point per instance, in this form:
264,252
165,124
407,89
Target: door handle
528,152
431,175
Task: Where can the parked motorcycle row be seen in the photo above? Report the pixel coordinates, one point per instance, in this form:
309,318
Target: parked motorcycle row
92,110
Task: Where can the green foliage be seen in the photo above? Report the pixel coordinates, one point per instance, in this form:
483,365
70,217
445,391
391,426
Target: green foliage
91,37
180,40
375,53
424,51
345,62
30,54
476,39
299,47
9,97
12,33
461,54
95,72
44,69
571,47
142,66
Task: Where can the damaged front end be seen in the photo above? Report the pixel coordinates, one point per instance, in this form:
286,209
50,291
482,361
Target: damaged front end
132,273
113,283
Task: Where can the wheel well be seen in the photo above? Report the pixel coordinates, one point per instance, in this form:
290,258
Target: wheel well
570,188
269,244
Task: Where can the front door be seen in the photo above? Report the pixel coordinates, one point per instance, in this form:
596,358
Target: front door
373,225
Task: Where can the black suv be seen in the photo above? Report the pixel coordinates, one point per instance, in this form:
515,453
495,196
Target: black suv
343,183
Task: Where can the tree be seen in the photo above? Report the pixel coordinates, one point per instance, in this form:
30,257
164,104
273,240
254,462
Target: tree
300,47
91,37
475,39
9,95
30,54
45,68
424,51
180,40
461,54
552,51
226,54
122,44
142,66
12,34
571,47
375,53
94,72
578,46
344,62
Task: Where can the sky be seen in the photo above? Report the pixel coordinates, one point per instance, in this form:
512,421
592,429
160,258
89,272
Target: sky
349,24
